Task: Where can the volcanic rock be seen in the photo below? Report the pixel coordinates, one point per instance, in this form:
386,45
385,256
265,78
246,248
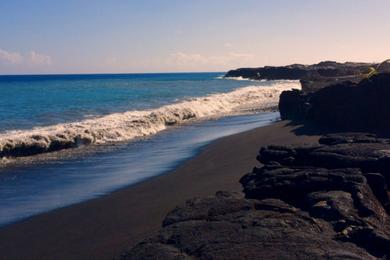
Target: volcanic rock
325,201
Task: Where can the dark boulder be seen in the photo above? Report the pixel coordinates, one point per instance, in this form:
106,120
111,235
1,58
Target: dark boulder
267,229
343,180
346,106
292,105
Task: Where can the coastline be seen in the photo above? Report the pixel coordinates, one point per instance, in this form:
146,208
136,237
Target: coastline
104,227
134,124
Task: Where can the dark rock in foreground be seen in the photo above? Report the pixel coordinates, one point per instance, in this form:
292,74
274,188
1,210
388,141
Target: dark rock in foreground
347,106
328,201
229,227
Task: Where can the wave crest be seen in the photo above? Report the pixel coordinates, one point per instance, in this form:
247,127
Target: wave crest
135,124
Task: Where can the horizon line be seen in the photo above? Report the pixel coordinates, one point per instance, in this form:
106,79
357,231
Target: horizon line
109,73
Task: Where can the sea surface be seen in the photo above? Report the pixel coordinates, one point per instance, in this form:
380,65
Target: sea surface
88,135
30,101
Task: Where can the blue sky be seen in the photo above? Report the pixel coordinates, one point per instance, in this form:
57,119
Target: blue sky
94,36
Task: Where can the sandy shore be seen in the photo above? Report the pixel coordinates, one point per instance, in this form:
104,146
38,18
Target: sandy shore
103,228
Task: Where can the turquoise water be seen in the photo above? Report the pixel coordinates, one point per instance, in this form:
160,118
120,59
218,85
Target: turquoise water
29,101
92,134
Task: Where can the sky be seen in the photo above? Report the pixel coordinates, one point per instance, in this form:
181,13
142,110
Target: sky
137,36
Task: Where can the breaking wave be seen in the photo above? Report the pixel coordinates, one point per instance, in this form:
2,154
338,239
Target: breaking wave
135,124
240,78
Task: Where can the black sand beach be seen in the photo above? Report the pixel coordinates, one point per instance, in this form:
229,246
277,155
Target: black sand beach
195,130
103,228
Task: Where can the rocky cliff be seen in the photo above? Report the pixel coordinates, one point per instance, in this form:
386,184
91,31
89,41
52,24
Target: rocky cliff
313,77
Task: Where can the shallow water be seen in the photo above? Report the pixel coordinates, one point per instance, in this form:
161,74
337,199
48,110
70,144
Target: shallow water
32,189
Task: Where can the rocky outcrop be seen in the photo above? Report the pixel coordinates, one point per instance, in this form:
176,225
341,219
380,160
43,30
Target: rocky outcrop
325,201
313,77
258,229
343,180
347,106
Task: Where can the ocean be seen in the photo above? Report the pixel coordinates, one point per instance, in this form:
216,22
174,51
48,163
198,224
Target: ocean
69,138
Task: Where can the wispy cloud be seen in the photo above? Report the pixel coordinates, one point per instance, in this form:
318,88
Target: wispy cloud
10,57
38,58
182,58
31,58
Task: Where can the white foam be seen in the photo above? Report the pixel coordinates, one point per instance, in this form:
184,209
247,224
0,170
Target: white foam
135,124
240,78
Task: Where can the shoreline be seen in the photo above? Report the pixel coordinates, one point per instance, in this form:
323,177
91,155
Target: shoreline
104,227
83,150
133,124
87,176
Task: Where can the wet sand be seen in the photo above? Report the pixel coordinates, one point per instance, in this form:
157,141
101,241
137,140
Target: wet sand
103,228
